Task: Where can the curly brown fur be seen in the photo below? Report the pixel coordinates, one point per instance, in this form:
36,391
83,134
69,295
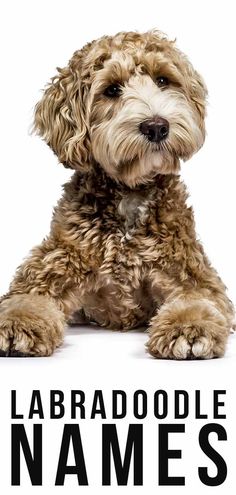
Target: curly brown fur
122,249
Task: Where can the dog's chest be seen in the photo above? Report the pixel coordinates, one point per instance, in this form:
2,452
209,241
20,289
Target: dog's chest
133,210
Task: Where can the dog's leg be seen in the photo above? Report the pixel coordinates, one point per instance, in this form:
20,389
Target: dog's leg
192,323
40,299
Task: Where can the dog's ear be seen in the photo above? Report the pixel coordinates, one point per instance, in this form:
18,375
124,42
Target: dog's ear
60,119
198,92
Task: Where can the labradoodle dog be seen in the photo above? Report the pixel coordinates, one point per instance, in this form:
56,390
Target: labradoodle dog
122,250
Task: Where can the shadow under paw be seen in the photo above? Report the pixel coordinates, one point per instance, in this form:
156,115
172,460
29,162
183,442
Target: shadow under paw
14,353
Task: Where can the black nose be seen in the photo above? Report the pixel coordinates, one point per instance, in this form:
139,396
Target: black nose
155,129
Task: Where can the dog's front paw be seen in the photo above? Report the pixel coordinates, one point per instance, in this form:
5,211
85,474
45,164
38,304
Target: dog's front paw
192,331
30,325
186,342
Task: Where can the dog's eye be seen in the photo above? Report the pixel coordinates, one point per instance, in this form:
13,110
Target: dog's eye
113,91
162,82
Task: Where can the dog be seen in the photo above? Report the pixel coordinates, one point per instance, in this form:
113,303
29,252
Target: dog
122,250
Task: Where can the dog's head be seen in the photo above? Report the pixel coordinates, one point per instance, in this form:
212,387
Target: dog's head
132,103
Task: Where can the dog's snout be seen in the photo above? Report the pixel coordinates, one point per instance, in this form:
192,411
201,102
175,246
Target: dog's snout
155,129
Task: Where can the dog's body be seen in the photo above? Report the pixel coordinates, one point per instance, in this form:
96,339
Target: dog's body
122,250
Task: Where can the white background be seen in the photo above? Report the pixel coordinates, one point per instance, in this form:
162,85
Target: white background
36,37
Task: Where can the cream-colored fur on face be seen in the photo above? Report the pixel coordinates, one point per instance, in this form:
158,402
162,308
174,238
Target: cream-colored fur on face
120,141
122,249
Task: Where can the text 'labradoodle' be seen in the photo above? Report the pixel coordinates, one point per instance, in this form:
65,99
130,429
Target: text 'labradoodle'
122,251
